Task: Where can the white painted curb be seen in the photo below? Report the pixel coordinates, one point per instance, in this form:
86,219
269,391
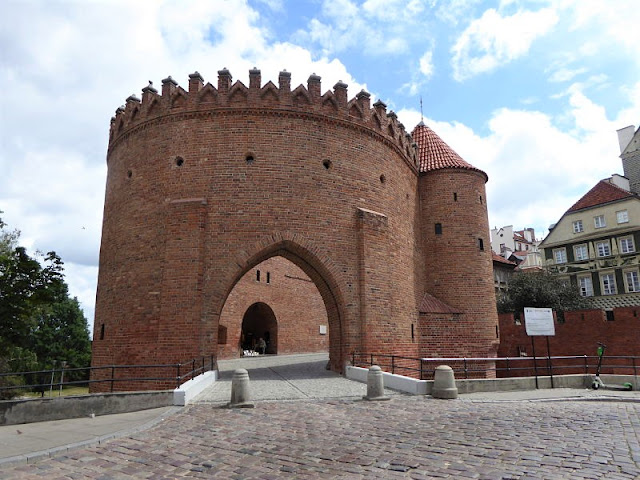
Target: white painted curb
395,382
185,393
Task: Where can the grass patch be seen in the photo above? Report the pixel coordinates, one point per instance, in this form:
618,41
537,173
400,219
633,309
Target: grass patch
66,392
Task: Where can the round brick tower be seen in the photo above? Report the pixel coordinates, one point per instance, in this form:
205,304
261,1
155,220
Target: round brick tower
460,295
206,184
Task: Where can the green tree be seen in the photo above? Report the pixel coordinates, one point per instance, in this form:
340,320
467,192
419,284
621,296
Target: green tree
541,290
61,334
25,287
39,323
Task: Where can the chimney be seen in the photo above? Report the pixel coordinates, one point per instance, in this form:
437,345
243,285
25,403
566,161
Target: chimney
624,136
620,181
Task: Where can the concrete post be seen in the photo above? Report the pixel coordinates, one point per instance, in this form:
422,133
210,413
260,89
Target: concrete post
444,383
375,384
240,390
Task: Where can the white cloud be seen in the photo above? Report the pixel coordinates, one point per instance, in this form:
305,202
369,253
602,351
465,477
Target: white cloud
565,74
275,5
66,67
619,21
70,70
494,40
392,11
536,169
376,27
426,64
454,11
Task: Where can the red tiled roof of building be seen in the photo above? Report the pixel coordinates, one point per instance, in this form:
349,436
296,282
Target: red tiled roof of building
501,259
431,304
603,192
435,154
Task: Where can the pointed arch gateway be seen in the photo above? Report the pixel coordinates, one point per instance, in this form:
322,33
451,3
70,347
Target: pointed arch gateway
320,272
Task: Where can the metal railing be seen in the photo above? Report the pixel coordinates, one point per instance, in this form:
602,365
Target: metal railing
478,367
168,374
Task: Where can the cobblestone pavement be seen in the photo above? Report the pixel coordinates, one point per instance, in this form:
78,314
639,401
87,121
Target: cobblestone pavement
406,437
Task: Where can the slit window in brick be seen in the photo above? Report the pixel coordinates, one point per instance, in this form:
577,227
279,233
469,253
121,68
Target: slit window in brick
257,275
438,229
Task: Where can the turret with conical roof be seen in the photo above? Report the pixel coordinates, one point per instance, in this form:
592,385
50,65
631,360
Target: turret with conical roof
456,251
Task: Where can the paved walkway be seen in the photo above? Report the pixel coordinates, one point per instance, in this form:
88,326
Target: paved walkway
285,377
32,441
318,434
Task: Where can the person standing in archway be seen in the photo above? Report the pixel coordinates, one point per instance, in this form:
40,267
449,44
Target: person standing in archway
262,346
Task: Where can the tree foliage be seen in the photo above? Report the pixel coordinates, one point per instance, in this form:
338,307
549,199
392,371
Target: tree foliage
541,290
40,325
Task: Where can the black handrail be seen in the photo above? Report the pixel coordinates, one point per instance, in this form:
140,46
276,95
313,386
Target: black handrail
425,367
205,363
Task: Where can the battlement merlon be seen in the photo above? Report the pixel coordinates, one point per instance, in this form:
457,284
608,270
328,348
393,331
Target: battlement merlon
205,97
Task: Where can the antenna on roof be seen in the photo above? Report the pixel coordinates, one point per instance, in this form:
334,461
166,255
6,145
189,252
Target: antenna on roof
421,117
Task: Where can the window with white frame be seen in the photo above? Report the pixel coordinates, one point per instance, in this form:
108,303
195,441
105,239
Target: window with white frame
577,226
560,255
603,248
608,281
586,286
599,221
626,245
580,252
632,279
622,216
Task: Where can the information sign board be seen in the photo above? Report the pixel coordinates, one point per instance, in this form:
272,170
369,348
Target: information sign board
539,321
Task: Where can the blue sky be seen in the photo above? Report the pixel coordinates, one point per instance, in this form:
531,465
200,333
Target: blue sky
532,92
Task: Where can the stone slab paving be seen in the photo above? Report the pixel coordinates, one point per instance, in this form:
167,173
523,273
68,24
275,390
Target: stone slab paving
406,437
28,442
290,377
554,394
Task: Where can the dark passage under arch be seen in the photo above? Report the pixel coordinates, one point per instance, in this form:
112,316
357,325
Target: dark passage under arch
259,321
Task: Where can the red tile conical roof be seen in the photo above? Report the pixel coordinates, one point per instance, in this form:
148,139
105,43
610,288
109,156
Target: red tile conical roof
435,154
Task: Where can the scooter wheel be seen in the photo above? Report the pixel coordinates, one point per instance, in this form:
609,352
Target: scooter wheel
595,385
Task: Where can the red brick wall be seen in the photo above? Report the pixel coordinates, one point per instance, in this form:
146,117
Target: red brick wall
203,185
578,335
294,300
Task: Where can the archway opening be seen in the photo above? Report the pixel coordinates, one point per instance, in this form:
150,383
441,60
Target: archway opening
259,325
277,300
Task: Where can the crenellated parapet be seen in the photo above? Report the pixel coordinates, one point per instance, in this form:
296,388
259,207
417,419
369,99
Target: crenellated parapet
206,99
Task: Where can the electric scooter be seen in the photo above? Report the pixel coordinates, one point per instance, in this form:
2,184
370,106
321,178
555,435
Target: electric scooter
598,383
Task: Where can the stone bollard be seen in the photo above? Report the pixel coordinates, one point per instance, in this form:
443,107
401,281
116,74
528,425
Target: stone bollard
240,390
375,384
444,383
